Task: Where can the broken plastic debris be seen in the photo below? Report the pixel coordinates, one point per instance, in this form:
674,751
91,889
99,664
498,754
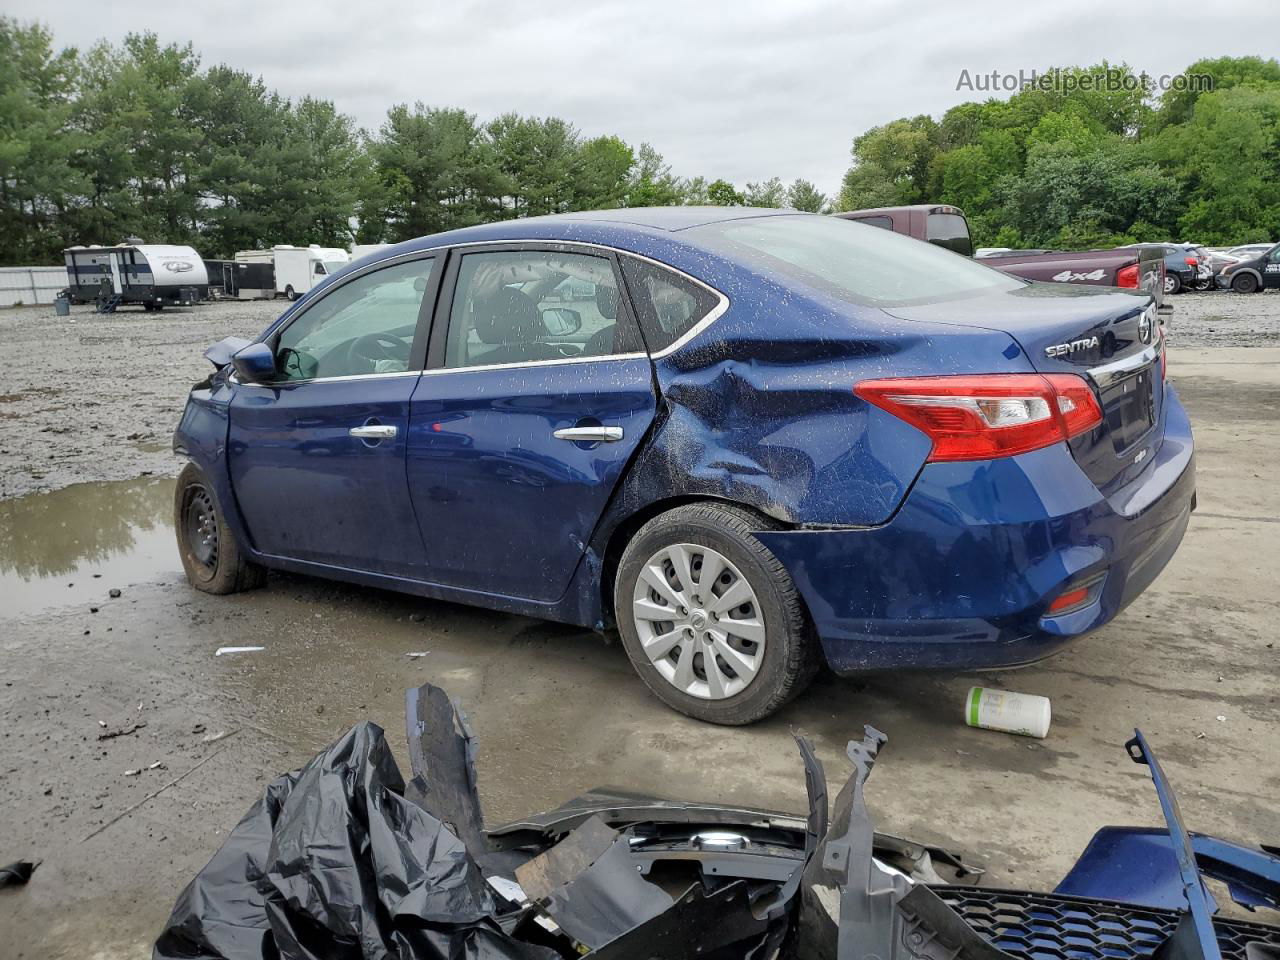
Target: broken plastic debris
222,650
17,873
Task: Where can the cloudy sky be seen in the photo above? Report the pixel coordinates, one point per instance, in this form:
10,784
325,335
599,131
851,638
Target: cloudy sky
744,90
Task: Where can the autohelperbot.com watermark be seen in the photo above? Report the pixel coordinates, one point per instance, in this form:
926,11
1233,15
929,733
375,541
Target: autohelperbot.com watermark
1112,80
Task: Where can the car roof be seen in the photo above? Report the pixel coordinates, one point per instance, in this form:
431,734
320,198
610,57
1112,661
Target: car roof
635,228
666,218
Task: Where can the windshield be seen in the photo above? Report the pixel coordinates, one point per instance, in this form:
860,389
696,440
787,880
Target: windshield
333,266
853,261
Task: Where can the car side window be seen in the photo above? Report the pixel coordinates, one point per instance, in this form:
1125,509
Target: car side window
884,223
668,305
364,326
526,306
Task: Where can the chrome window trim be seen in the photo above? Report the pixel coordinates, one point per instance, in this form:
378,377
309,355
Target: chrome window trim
1112,373
434,252
712,315
522,364
279,384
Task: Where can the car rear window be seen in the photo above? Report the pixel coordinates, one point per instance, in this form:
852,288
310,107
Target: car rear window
852,261
669,305
949,230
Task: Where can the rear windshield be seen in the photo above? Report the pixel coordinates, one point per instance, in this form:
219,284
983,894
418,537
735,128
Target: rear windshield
949,230
852,261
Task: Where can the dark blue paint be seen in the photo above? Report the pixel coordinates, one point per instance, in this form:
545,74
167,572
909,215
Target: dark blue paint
962,575
503,505
1137,865
901,564
309,491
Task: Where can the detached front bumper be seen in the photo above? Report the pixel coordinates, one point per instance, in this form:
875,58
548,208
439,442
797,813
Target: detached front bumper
963,574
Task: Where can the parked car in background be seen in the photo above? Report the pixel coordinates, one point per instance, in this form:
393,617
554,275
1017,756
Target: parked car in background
1181,265
946,226
1262,272
938,223
1131,269
1248,251
921,462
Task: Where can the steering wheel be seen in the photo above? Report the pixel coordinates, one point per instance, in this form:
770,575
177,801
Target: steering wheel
373,347
566,349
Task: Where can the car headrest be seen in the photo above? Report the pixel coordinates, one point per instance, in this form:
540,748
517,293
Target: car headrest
607,301
507,316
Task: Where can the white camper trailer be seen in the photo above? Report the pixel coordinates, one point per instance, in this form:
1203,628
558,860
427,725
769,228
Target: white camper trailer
298,269
152,274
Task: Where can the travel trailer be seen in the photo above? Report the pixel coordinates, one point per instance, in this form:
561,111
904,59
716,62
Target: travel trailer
153,274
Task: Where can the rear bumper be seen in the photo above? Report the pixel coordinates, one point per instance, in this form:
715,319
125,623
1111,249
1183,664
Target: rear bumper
963,574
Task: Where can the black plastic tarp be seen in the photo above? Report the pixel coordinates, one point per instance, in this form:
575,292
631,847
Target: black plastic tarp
334,862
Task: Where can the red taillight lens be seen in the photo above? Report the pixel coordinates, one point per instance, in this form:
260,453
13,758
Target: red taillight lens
1127,276
988,416
1069,599
1192,261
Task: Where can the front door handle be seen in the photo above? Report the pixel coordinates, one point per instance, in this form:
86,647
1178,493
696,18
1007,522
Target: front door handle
589,434
374,431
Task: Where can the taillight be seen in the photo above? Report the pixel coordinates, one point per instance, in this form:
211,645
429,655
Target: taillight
1072,598
1127,276
1164,354
1192,261
986,416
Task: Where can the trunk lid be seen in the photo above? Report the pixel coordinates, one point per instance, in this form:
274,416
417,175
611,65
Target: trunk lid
1110,337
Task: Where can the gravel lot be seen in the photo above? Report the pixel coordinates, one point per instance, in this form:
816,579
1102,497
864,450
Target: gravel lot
87,409
1224,319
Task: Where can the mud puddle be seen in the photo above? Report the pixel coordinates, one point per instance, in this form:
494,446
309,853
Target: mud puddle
72,546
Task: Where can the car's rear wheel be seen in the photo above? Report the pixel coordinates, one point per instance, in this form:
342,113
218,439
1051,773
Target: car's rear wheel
210,555
290,293
710,618
1244,283
1172,283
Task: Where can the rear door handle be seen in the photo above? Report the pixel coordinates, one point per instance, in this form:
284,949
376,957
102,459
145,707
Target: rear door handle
589,434
374,431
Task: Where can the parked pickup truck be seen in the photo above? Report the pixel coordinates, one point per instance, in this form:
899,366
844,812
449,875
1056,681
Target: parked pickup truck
1136,268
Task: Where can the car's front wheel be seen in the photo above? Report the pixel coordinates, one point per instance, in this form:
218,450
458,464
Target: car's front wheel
710,618
210,555
1244,283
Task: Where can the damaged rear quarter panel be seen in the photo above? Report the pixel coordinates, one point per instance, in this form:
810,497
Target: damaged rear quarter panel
759,407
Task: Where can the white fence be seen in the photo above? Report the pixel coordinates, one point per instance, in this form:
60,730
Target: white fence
30,284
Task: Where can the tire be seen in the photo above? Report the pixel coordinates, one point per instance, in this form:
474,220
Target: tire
290,293
1172,284
200,525
782,661
1244,283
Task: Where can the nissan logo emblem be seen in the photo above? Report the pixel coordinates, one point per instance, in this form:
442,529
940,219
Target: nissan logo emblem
1146,327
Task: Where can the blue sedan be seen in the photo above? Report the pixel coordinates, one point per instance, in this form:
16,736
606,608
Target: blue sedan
752,441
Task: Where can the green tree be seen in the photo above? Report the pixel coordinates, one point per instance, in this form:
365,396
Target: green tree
652,184
770,193
803,195
603,170
721,193
39,184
